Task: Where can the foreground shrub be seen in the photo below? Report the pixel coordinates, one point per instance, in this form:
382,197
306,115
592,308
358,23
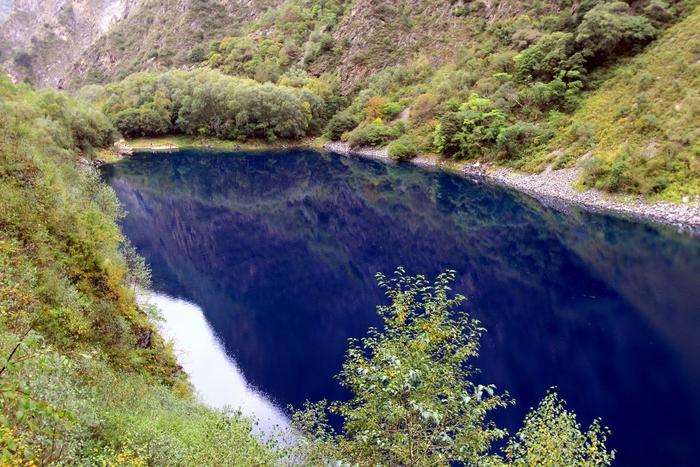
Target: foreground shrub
414,402
551,435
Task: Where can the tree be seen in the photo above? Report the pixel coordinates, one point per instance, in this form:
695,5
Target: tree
609,30
552,436
550,55
472,131
413,401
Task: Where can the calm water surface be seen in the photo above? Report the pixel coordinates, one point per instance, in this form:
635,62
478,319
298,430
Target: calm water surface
264,264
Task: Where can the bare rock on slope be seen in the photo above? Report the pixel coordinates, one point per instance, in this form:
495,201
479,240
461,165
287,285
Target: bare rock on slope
40,39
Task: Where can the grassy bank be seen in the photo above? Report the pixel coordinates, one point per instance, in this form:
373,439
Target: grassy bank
184,141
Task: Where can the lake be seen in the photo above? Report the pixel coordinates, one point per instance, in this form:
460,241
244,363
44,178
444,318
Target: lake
264,264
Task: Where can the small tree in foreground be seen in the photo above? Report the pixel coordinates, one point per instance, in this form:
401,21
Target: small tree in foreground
413,402
552,436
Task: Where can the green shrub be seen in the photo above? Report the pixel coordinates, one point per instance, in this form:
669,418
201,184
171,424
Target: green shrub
609,30
391,109
472,131
128,122
374,134
514,140
551,432
550,55
402,149
338,124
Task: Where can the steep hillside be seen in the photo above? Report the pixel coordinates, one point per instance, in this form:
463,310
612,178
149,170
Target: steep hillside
378,34
62,42
41,39
162,34
355,39
640,133
85,378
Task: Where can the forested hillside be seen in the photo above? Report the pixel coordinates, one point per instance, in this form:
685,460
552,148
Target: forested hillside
519,84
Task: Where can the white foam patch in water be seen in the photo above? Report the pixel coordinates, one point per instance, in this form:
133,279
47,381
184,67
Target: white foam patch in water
216,377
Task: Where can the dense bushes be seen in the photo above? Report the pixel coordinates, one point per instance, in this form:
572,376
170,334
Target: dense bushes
295,34
471,130
548,57
207,103
495,100
609,30
515,139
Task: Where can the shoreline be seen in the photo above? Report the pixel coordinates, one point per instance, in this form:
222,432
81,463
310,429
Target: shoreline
552,186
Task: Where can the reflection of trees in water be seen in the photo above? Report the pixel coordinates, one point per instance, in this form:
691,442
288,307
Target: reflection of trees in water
280,251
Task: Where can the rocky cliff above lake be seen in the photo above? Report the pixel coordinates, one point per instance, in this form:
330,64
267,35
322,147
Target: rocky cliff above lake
41,39
59,42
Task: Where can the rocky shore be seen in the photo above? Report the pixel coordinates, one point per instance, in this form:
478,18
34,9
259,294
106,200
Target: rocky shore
556,186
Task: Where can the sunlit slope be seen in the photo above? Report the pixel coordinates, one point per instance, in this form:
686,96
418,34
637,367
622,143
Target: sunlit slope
640,132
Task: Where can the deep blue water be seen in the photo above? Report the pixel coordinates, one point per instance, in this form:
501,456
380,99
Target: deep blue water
279,250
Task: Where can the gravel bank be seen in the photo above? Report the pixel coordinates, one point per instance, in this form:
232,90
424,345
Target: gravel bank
555,186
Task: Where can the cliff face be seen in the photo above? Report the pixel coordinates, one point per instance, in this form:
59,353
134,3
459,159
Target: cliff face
64,42
42,38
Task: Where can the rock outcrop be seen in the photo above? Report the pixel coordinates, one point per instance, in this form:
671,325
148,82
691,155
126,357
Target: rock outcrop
40,39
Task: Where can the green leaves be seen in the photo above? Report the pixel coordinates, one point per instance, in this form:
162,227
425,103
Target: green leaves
414,404
551,435
472,131
208,103
609,29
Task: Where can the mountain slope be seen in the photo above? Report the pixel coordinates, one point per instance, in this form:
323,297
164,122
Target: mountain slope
68,42
640,133
376,35
161,34
41,39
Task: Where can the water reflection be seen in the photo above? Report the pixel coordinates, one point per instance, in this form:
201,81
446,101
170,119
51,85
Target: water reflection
215,376
279,250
